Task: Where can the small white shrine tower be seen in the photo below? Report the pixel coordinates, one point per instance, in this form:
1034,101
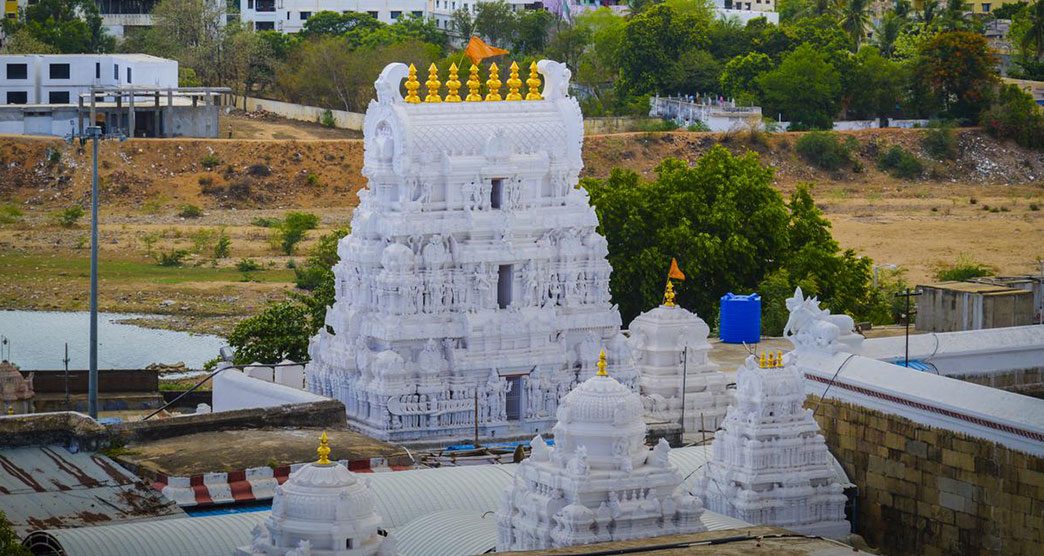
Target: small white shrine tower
473,273
769,464
671,352
599,482
321,510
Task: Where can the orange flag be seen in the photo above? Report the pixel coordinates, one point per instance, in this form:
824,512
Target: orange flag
675,272
477,50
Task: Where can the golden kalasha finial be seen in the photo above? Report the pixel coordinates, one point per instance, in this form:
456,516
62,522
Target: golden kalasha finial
771,361
474,85
514,83
533,83
323,450
433,85
668,295
601,364
779,358
762,362
411,86
493,83
452,84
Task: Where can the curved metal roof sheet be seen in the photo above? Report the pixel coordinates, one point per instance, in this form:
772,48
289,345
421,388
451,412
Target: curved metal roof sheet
207,536
448,533
403,496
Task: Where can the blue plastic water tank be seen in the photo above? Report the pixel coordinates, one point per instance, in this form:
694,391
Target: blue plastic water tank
740,318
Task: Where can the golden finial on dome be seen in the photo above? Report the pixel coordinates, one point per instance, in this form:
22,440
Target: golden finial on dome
601,364
433,84
779,358
668,295
534,83
771,361
514,83
762,362
474,85
323,450
452,85
411,86
493,83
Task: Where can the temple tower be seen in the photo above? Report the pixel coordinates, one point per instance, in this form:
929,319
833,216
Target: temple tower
473,272
769,464
599,482
671,352
321,510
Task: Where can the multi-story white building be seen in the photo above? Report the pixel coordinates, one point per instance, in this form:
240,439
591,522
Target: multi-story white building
289,16
61,78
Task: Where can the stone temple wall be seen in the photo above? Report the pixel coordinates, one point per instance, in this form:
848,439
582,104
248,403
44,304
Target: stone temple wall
925,490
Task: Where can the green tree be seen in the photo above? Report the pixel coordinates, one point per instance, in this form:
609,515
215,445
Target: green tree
495,22
875,85
22,41
886,32
957,70
855,18
10,545
569,45
318,268
740,76
1032,40
531,29
68,26
653,44
294,228
805,88
462,24
1015,116
335,24
280,331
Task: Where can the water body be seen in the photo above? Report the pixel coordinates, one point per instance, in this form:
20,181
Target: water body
37,341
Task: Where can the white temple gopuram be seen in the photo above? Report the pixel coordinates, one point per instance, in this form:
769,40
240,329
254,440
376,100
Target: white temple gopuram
599,482
671,353
473,274
321,510
769,464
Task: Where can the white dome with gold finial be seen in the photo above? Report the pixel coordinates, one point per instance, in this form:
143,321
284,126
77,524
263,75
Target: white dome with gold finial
324,508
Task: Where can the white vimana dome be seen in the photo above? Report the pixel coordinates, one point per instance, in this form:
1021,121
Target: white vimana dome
323,509
599,482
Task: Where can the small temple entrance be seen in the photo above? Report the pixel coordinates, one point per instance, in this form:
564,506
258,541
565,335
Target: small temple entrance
514,398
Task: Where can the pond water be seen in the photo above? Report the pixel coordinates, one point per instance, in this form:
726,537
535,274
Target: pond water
36,340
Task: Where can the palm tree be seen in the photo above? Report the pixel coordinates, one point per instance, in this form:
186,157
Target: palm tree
929,10
1033,40
855,18
887,31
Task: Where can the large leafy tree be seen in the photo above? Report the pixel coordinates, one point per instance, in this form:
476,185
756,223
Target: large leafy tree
66,26
855,18
875,85
653,46
740,76
957,71
805,88
280,331
334,23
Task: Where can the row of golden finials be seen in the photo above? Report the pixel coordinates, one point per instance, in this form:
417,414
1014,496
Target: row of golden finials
493,84
773,361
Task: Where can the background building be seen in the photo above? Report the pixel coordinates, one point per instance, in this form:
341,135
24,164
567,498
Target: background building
289,16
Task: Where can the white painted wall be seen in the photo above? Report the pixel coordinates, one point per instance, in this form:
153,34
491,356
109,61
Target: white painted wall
235,390
342,119
85,71
968,352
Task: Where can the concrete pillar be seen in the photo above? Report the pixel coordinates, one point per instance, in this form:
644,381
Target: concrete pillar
156,116
79,114
94,97
119,112
130,115
168,121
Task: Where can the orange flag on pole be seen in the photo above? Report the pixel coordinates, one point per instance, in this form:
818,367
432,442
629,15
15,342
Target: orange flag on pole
675,272
477,50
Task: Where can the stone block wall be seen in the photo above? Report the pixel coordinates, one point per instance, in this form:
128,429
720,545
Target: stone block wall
925,490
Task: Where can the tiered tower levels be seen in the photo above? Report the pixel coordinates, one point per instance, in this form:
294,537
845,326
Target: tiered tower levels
473,270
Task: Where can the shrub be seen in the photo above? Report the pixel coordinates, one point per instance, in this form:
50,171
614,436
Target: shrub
54,156
10,213
327,119
210,161
964,268
900,163
68,218
1034,207
190,211
1015,116
223,245
293,228
697,126
313,180
174,257
824,149
317,269
939,140
259,170
247,265
201,240
206,181
656,125
264,222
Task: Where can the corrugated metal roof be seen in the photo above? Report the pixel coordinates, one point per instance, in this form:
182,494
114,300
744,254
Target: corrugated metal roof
49,487
448,533
205,536
428,511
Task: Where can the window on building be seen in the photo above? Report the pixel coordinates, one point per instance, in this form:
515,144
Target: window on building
396,14
250,4
116,72
417,13
97,70
496,193
18,71
347,544
985,8
59,71
17,97
264,26
305,16
129,80
267,6
373,14
504,283
58,97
